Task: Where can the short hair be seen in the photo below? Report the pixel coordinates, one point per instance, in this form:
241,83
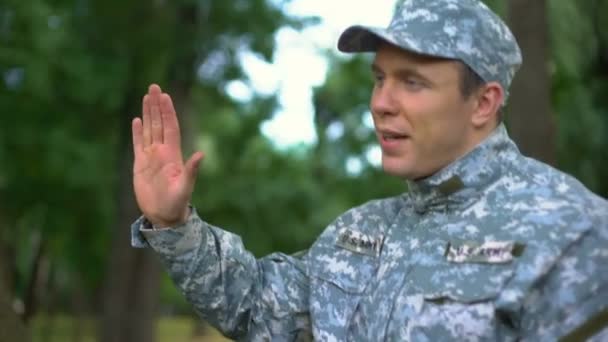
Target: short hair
470,81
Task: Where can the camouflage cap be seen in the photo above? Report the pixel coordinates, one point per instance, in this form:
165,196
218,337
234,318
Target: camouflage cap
466,30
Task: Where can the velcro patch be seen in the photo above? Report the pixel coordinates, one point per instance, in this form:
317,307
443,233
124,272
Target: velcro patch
491,252
358,242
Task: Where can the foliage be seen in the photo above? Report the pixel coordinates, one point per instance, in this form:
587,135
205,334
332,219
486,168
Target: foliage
580,82
73,75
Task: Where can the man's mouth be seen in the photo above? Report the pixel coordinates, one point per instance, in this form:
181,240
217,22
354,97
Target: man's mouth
390,136
391,141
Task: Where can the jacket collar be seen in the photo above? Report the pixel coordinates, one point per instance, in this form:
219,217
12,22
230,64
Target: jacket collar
465,178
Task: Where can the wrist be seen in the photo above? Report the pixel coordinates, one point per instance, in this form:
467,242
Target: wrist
163,223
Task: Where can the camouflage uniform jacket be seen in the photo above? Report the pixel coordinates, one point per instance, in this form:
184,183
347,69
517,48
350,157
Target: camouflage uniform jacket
495,247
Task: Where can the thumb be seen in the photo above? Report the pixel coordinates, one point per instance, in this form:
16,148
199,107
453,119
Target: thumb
192,167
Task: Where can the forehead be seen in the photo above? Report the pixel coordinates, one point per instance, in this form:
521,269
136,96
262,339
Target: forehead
390,57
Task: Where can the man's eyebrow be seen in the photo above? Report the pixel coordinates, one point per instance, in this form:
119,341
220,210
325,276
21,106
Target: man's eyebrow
402,72
409,72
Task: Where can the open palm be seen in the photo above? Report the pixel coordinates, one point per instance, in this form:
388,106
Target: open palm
163,184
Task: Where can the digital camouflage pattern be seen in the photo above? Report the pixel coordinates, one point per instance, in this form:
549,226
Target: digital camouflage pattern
556,285
457,29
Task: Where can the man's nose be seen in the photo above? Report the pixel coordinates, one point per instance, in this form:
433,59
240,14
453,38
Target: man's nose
383,101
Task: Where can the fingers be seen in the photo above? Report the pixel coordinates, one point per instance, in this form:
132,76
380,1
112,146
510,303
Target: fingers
192,168
147,128
156,124
171,133
160,124
138,139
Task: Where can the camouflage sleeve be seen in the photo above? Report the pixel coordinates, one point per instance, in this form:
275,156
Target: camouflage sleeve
571,303
245,298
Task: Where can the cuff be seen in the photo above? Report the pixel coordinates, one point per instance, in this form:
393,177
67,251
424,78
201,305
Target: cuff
138,240
144,234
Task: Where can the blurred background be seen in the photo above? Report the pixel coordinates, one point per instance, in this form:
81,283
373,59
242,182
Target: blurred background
281,115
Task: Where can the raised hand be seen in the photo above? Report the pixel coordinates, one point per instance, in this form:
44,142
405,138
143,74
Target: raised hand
163,183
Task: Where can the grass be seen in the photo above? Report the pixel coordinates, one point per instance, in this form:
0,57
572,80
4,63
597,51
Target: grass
63,328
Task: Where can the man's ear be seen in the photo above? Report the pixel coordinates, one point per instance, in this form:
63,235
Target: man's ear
489,99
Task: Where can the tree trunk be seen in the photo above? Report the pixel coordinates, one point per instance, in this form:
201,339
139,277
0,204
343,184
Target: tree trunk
133,281
7,263
49,304
189,123
133,275
531,123
36,277
79,309
11,326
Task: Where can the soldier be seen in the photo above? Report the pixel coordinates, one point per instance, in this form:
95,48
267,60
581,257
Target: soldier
486,244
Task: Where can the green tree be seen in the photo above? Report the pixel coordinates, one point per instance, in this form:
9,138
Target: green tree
531,122
74,73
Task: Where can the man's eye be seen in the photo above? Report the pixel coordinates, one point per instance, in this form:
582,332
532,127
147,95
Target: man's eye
413,83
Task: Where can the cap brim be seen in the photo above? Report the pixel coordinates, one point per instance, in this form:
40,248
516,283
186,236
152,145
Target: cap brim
359,38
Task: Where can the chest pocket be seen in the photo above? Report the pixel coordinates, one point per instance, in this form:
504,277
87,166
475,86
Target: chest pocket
465,283
447,301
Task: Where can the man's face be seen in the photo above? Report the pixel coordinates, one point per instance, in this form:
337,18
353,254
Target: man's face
422,121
